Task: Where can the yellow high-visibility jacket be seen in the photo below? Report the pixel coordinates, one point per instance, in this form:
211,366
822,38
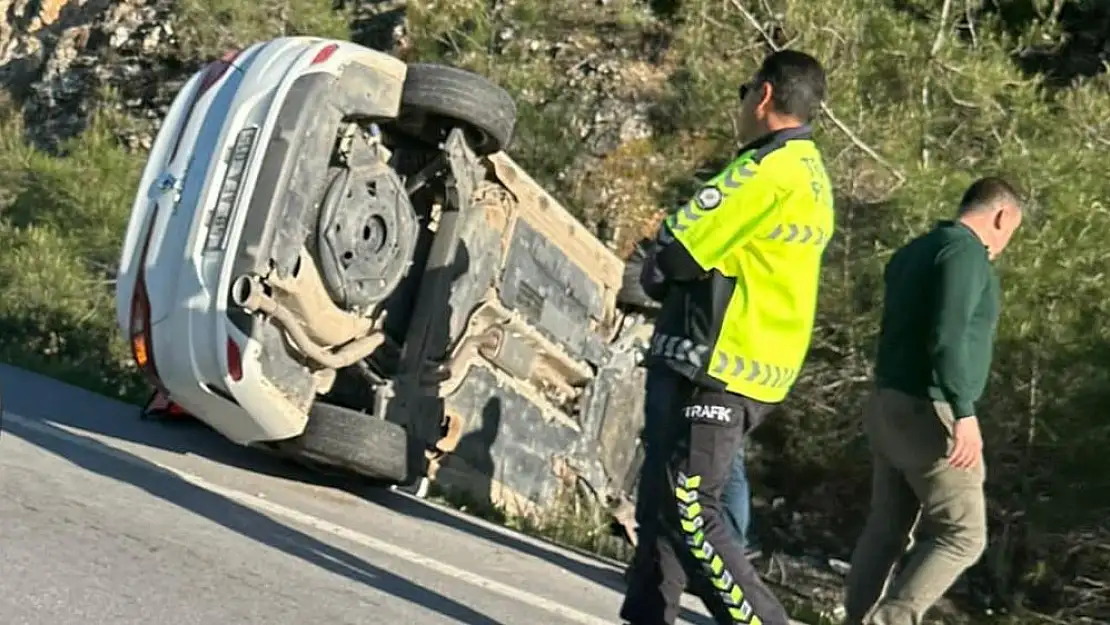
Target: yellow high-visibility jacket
741,263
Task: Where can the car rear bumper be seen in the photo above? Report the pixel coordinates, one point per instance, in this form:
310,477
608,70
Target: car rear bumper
283,207
277,90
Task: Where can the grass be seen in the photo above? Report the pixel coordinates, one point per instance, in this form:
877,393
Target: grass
62,218
995,97
207,28
570,520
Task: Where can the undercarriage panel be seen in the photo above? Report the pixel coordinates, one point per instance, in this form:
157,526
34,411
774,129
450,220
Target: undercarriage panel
506,436
559,399
541,283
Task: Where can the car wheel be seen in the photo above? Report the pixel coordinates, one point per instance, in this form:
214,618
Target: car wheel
439,97
353,440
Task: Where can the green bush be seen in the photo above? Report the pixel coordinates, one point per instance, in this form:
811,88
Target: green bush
208,28
62,218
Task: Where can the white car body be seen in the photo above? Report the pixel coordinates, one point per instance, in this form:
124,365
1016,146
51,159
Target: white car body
255,297
186,271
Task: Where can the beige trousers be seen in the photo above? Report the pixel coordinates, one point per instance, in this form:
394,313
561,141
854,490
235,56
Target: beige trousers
914,491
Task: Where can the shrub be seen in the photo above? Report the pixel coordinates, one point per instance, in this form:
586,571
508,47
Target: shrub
62,219
208,28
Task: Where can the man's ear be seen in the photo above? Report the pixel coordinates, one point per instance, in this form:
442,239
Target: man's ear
766,93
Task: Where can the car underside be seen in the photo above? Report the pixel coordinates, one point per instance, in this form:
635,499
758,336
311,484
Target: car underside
432,309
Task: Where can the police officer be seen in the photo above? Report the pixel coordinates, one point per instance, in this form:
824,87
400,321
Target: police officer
736,269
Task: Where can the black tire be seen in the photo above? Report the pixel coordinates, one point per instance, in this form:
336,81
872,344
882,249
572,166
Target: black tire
449,95
631,294
352,440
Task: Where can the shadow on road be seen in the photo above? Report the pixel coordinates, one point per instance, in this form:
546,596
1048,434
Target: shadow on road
44,399
237,518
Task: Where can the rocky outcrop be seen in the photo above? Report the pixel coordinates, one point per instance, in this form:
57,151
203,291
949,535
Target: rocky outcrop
58,58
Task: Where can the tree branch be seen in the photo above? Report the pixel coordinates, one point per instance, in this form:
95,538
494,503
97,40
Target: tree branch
938,43
852,136
938,40
970,24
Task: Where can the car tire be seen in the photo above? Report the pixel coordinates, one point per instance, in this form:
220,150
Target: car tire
353,440
452,95
631,294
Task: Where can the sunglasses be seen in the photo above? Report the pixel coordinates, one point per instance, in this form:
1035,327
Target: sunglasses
745,89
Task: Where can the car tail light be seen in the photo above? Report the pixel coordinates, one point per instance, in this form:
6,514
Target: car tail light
140,339
234,360
212,73
325,53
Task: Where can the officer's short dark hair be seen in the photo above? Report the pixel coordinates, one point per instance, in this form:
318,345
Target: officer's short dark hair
986,192
798,83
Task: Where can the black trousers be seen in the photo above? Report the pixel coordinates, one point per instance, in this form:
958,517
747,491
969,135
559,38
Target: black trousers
692,436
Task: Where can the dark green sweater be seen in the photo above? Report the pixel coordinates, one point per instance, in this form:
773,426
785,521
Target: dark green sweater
939,318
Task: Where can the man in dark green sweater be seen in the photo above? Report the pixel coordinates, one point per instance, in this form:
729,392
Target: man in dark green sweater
940,314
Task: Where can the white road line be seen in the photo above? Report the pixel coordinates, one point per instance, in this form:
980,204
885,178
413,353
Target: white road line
322,525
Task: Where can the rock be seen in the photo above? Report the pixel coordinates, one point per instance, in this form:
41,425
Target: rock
380,24
614,123
840,567
58,61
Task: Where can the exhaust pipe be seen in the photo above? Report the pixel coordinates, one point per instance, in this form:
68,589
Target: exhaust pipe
248,292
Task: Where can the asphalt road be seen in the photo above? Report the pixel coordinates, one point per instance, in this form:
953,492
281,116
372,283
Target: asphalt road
105,519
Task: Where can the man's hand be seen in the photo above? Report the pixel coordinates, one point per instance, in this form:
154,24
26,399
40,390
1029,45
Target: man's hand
652,281
969,443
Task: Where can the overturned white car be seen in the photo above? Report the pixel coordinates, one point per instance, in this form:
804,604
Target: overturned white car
330,255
